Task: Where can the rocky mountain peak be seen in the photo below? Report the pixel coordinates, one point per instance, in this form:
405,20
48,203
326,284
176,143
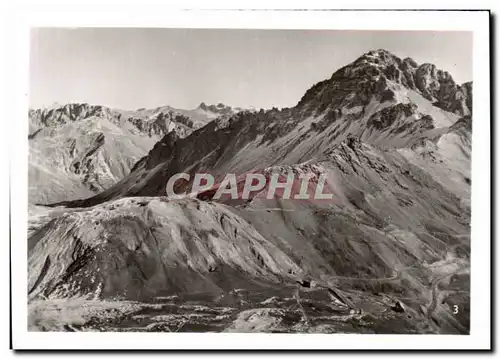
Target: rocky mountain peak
378,57
410,62
219,109
369,76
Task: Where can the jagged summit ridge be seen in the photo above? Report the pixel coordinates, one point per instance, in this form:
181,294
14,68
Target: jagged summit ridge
151,122
374,74
218,109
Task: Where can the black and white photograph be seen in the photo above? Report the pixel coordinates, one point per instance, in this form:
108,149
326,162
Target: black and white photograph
252,180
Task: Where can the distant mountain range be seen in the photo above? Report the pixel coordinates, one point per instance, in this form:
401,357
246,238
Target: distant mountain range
77,150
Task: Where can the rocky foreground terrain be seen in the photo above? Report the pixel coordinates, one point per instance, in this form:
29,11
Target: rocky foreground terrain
390,253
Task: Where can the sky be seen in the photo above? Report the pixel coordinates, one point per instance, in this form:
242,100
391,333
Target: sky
130,68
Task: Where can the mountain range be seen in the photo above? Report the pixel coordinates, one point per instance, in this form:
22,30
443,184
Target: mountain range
389,255
78,149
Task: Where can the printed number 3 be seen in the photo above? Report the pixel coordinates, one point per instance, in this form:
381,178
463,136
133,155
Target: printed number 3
455,309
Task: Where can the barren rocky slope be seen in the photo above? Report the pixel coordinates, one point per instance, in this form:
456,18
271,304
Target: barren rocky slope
389,254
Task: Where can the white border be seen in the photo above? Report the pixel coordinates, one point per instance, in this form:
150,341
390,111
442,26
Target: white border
19,23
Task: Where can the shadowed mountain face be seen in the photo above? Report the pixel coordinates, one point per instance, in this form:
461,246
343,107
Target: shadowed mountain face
390,254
